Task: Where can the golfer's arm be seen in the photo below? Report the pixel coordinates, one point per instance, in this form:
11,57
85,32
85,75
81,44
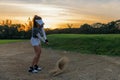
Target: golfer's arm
44,35
41,38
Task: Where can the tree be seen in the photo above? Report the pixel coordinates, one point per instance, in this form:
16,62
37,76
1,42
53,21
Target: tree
69,25
86,28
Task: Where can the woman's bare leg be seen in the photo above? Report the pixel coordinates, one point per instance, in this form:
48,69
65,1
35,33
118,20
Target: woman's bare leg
37,55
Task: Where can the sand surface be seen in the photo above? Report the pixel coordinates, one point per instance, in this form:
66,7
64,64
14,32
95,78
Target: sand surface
15,59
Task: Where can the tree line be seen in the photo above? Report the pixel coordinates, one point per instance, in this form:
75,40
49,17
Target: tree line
14,32
97,28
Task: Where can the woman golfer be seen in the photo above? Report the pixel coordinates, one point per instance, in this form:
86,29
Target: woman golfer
38,35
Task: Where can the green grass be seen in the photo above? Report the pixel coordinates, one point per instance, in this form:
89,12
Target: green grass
9,41
102,44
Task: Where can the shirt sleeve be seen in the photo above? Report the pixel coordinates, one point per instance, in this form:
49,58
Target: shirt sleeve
44,34
40,37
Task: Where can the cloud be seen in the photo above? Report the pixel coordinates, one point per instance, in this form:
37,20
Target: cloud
70,9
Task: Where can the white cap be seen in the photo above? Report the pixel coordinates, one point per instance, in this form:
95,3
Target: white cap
40,22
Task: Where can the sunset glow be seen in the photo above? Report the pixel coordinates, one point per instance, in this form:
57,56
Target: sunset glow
57,14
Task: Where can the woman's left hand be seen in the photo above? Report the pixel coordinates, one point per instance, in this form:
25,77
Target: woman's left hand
46,41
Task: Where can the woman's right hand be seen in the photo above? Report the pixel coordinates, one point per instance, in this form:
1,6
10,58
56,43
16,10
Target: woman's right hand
46,41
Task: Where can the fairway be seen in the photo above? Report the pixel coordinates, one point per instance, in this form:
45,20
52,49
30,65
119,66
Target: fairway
102,44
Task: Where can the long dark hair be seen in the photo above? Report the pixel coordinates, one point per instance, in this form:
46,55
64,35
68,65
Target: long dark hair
34,22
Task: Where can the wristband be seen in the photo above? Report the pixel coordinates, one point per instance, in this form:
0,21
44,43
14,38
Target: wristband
46,40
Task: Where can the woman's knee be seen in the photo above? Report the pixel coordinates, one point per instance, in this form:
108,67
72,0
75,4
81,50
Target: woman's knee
37,56
37,51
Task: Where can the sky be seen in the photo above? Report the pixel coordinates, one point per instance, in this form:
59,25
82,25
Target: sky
59,13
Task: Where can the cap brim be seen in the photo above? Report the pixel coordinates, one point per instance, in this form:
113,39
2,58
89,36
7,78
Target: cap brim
40,22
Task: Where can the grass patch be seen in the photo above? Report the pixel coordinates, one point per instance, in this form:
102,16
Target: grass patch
102,44
9,41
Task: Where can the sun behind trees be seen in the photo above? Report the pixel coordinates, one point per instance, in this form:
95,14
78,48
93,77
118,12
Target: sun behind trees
22,27
9,30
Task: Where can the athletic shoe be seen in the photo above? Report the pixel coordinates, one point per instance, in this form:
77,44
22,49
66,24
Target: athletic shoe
33,70
37,68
